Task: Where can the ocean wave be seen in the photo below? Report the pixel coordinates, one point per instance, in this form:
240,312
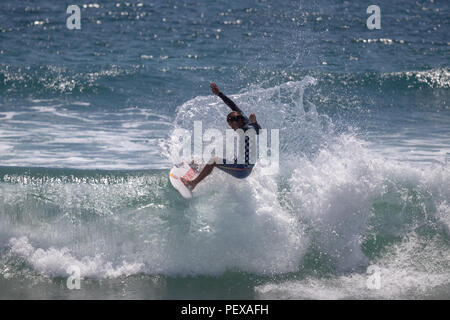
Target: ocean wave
413,269
45,80
435,78
334,209
344,208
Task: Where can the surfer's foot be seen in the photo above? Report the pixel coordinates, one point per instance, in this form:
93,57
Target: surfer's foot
190,184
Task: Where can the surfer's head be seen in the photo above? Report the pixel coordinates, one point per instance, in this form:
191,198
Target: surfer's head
235,120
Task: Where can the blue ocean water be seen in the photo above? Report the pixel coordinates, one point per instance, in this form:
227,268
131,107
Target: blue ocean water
87,116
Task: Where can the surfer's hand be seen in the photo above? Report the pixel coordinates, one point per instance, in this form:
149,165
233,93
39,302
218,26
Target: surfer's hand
214,88
252,118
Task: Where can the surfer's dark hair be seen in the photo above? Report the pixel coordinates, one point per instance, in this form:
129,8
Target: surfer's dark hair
234,116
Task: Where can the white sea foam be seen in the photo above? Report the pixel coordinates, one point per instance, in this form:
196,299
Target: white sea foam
334,194
55,261
413,269
8,115
240,227
436,78
81,103
83,140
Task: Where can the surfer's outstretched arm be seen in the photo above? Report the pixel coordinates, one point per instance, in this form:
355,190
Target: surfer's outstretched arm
228,101
252,121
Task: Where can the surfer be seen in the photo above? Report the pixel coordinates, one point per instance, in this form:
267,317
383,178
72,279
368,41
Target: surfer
236,119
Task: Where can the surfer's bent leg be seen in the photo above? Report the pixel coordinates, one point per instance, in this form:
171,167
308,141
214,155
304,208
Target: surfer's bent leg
203,174
239,171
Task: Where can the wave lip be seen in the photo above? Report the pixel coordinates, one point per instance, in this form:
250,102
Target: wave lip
434,78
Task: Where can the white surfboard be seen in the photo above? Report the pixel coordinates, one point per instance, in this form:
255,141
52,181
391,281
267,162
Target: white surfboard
186,171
